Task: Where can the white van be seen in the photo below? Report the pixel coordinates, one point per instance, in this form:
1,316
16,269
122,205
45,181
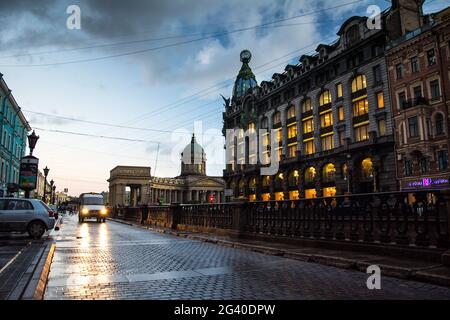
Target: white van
92,206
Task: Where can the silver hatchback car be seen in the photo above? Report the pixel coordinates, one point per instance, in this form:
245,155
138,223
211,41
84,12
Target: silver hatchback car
26,215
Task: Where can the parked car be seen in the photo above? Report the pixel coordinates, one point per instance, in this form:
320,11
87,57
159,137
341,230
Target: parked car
26,215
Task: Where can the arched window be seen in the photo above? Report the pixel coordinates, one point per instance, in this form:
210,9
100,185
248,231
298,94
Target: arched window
291,112
306,105
345,171
265,123
353,35
328,172
359,83
266,181
277,117
439,122
367,168
293,178
325,98
252,185
241,187
310,174
279,180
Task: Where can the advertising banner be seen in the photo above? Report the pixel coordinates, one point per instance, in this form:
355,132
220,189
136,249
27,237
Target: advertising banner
28,173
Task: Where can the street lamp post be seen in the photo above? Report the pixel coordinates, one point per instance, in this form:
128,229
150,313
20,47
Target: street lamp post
51,190
32,140
54,194
46,170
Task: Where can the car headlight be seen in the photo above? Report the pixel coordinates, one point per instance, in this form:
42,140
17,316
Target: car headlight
85,211
104,211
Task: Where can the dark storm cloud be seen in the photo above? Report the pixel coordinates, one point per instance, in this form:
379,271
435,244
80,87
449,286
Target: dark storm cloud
30,23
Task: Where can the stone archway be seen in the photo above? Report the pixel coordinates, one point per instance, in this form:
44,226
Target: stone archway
136,178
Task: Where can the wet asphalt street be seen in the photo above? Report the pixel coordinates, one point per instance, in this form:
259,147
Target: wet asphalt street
116,261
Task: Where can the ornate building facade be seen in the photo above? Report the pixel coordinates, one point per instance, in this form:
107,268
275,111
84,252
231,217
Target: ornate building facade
330,116
191,186
14,128
419,74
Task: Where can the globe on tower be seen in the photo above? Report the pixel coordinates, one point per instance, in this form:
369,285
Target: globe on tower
245,80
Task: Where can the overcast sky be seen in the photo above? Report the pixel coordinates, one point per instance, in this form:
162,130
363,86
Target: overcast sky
158,65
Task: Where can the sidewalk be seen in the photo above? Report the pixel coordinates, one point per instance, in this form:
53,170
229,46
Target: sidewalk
419,270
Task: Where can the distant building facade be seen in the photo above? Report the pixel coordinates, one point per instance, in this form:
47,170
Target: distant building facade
191,186
13,138
419,74
330,117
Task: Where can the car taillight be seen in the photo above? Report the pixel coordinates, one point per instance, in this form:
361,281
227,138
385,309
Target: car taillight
51,213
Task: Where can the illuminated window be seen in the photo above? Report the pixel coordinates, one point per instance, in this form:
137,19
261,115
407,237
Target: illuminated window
279,196
310,174
278,135
327,143
309,147
341,114
252,197
293,178
380,100
266,181
279,181
326,119
310,193
362,133
359,83
360,107
252,185
291,112
329,173
308,126
294,195
292,130
339,90
366,168
325,98
306,105
329,192
265,197
277,118
292,150
279,152
242,187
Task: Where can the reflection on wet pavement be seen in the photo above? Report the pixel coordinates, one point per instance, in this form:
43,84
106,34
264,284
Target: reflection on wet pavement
116,261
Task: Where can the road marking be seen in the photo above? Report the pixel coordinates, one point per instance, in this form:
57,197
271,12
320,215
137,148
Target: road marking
11,261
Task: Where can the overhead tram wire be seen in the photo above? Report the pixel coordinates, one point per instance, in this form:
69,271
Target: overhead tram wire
214,88
282,63
181,43
48,115
114,44
180,101
95,136
212,113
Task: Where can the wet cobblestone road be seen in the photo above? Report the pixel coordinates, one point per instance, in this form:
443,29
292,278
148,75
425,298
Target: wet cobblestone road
117,261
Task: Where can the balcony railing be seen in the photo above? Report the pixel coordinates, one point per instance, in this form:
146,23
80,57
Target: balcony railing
419,218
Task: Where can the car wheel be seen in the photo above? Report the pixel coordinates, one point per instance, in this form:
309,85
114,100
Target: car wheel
36,229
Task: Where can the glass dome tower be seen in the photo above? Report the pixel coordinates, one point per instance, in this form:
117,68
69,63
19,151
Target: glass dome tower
245,79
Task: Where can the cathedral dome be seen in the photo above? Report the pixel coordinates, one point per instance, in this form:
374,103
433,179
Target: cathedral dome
245,79
193,159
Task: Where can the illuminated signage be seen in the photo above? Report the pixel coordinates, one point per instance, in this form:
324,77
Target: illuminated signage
427,183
